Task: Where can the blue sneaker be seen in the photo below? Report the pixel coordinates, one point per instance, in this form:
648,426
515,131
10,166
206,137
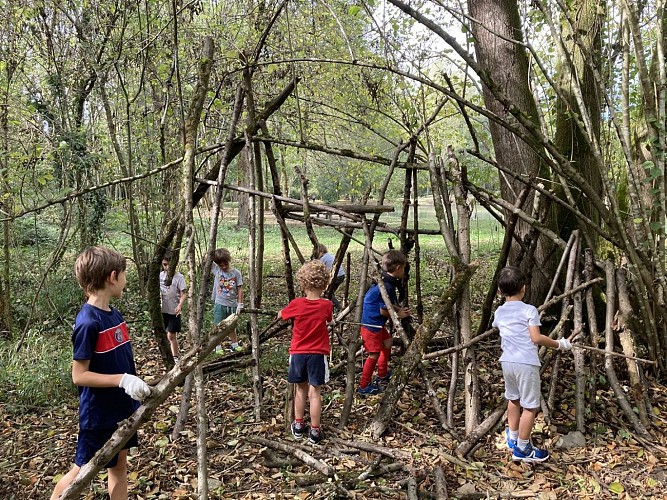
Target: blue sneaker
529,454
382,381
511,443
236,348
369,390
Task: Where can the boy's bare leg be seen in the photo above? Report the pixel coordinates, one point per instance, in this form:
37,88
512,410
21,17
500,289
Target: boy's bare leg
526,423
315,397
118,478
300,395
513,415
64,482
233,337
171,336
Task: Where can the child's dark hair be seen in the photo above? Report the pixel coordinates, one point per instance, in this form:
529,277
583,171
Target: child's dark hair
313,275
511,281
392,260
321,249
222,256
94,266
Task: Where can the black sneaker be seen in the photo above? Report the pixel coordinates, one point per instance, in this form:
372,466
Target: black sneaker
315,436
298,430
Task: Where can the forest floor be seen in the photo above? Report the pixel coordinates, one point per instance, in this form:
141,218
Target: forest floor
37,447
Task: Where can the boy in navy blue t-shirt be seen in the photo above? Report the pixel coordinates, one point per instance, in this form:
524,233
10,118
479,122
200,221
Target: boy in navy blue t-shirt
103,367
376,337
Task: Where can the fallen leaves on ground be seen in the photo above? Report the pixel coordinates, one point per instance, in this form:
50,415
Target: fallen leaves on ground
38,447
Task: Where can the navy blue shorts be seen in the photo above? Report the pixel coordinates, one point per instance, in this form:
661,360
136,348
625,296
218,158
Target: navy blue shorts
311,368
91,440
172,323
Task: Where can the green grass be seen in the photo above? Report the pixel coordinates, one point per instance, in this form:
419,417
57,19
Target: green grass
35,376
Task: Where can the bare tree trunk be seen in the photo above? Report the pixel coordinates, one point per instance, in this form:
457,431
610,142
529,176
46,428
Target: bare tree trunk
609,347
433,396
566,309
191,126
419,310
184,408
125,162
353,342
255,160
626,336
252,280
6,205
579,355
592,325
306,211
499,47
243,200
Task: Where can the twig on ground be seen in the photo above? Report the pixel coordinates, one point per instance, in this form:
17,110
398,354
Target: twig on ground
301,455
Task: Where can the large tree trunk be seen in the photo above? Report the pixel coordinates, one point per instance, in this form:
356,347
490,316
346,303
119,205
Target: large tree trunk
575,74
499,49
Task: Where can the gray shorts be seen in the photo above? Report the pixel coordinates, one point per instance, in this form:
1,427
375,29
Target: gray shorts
522,382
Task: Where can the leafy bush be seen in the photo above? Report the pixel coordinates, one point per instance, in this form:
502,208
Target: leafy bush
29,232
38,375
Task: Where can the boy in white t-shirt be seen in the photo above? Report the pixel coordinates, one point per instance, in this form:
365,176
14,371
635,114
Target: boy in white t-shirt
519,325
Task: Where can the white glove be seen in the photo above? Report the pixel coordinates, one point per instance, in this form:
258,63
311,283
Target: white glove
239,307
135,387
564,345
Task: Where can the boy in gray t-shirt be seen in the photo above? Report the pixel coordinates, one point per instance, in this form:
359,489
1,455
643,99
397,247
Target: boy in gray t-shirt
519,325
328,260
172,297
227,292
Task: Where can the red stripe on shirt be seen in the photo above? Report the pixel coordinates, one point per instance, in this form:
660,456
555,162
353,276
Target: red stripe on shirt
111,338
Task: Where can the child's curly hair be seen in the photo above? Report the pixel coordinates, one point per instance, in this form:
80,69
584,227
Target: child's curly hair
313,275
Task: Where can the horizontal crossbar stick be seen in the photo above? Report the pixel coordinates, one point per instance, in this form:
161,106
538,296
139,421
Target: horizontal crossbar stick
284,199
612,353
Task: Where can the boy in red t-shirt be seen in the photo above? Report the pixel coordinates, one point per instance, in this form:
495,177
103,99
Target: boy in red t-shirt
308,363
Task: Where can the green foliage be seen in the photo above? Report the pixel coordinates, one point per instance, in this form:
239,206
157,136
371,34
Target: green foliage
39,374
34,231
55,304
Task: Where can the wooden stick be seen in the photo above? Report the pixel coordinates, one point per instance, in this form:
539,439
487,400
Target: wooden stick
306,458
440,483
393,453
574,290
460,347
617,354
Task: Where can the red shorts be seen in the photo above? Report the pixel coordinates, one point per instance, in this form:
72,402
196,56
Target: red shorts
374,341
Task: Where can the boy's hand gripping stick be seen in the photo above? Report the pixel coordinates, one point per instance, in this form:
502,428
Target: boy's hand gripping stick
564,344
134,387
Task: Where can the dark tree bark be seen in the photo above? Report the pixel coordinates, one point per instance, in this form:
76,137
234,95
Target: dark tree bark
581,39
499,49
